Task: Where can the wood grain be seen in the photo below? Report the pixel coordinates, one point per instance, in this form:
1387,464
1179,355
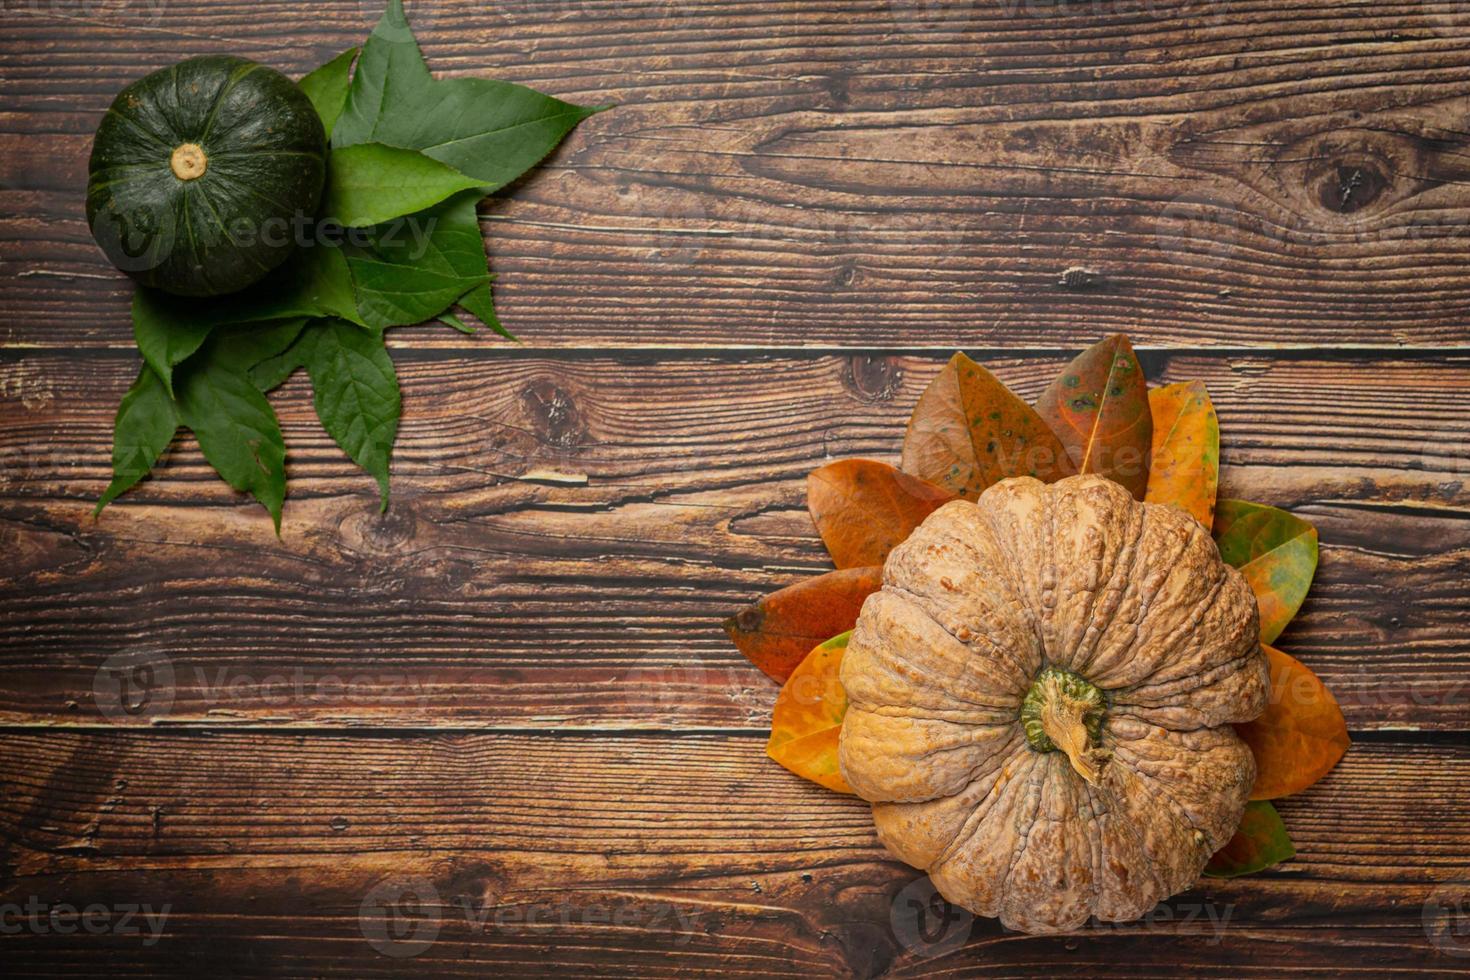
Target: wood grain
259,842
512,687
885,172
565,537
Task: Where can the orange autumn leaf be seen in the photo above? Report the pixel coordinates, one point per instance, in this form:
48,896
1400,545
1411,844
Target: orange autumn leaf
1184,465
1098,408
968,431
1301,736
808,717
778,632
863,508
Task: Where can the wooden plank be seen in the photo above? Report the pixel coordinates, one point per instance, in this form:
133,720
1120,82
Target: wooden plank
841,173
565,537
653,854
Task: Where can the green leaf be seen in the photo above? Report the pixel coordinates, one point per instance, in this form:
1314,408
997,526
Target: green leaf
272,372
1275,551
244,345
1260,842
480,302
356,395
416,267
327,88
491,130
450,320
235,426
168,329
145,425
370,183
314,282
391,62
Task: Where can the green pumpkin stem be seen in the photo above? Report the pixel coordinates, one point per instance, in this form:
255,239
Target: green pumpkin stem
1064,712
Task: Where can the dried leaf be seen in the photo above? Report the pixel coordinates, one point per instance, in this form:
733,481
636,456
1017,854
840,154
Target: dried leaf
1301,736
968,431
808,717
863,508
1184,466
1098,407
778,632
1275,551
1260,842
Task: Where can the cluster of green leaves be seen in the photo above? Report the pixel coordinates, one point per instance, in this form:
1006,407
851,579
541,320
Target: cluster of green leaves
397,242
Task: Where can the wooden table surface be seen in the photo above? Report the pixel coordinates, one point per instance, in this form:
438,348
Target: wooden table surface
498,730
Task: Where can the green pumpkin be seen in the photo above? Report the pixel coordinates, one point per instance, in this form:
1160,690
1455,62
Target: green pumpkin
204,176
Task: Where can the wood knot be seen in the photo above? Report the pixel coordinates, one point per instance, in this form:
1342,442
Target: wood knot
554,415
374,533
1349,187
873,377
1077,278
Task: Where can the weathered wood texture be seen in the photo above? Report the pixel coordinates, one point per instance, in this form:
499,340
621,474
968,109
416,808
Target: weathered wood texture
858,172
513,687
708,857
486,598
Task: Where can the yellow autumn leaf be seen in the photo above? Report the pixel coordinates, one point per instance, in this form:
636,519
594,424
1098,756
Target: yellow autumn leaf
1185,465
808,717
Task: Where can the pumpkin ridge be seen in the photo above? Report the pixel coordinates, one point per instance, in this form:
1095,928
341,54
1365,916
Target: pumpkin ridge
1009,585
1036,789
1096,841
1188,627
971,825
1137,696
1019,589
1112,593
1226,736
1124,651
230,84
1115,818
916,602
910,673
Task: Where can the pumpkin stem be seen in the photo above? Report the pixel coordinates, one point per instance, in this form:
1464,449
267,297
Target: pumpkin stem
1065,711
188,161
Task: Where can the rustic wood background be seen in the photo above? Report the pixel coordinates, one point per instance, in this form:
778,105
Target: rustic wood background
503,715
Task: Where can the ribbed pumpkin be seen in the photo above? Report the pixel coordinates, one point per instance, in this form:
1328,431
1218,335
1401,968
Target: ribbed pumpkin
203,174
1040,702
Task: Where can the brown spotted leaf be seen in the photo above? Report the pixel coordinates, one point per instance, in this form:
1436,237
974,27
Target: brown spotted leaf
968,431
863,508
778,632
1302,734
808,717
1098,407
1184,466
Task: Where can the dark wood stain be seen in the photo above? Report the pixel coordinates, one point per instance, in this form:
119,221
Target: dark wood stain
504,711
